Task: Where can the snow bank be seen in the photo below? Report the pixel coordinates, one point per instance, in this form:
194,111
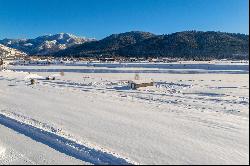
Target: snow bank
55,75
2,150
34,76
21,75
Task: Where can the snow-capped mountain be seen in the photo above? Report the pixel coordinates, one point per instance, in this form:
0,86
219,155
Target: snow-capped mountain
7,52
45,45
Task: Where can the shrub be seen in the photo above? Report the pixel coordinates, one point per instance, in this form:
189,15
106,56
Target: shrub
32,81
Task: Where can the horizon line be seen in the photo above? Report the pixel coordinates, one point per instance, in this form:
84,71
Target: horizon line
75,34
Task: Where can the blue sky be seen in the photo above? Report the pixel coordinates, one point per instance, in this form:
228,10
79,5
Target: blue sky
100,18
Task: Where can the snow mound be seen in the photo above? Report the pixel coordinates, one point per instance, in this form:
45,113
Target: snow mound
55,75
2,151
33,76
7,71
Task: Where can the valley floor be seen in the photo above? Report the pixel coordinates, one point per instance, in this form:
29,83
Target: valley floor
95,118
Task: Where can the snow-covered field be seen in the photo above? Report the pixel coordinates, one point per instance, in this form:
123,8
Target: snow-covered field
194,114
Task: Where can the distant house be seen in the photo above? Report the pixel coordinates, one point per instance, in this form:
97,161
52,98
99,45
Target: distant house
107,59
132,59
135,84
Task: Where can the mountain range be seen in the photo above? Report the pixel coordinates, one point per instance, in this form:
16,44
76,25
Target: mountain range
107,46
45,45
192,45
186,44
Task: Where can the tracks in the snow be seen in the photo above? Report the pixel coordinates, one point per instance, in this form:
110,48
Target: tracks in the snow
62,144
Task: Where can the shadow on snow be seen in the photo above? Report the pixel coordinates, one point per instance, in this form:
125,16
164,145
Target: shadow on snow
62,144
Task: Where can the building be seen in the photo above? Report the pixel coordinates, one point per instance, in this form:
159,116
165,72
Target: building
135,84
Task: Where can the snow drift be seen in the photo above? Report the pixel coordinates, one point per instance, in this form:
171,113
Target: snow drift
2,150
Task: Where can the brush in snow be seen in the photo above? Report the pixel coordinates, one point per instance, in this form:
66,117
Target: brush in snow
32,82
